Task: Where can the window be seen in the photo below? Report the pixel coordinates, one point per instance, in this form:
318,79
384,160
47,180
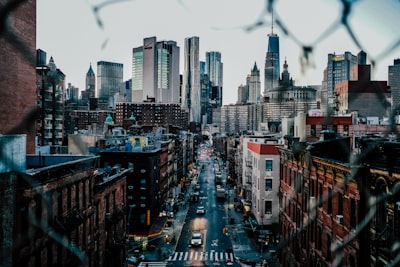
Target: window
319,236
328,247
143,184
313,130
268,164
321,195
268,184
340,203
330,201
268,207
353,211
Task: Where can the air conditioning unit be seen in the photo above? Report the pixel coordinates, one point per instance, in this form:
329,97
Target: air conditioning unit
312,203
339,218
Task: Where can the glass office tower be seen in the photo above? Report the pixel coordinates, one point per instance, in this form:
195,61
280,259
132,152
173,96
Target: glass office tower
191,95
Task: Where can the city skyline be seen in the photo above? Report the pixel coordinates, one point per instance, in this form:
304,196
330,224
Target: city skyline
74,51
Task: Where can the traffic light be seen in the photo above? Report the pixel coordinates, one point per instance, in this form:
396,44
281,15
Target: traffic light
167,239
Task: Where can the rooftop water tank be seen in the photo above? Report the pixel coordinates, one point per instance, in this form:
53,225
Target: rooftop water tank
12,153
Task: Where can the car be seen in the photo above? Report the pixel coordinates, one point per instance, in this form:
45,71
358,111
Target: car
197,240
136,257
200,210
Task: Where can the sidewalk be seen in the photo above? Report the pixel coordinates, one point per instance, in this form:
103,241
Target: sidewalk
245,248
164,249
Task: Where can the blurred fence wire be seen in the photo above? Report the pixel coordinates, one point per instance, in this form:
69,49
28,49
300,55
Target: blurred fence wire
7,8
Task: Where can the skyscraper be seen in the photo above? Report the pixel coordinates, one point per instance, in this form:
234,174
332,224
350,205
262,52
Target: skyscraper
214,69
338,70
90,82
272,63
191,79
155,71
243,94
254,85
394,83
109,82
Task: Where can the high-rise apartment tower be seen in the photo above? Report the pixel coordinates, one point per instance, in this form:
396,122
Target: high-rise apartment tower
191,79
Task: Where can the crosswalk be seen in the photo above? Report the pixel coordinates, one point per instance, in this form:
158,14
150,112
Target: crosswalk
202,256
153,264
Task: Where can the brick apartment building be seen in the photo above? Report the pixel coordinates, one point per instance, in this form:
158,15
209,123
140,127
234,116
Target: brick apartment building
152,114
321,206
18,85
63,211
339,208
144,187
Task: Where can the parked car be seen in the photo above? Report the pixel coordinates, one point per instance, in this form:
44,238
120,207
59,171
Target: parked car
197,240
200,210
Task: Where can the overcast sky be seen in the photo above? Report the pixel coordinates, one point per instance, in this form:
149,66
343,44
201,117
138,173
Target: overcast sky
70,32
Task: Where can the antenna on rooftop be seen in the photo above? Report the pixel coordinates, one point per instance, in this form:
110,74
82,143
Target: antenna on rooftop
272,20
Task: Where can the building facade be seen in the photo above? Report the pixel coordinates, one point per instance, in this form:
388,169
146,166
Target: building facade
394,84
191,95
155,71
64,214
287,100
261,175
272,63
51,97
143,196
243,94
239,118
152,114
90,82
19,85
254,85
338,70
214,70
352,96
321,206
109,82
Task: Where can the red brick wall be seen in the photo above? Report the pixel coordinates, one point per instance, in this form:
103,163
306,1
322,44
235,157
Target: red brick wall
17,67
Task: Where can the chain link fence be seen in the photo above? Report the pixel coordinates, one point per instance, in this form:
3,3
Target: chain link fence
348,7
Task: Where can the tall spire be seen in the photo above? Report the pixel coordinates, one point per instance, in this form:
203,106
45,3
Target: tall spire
272,20
90,71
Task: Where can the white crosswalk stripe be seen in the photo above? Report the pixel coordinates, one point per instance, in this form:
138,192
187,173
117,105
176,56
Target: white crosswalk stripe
152,264
201,256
